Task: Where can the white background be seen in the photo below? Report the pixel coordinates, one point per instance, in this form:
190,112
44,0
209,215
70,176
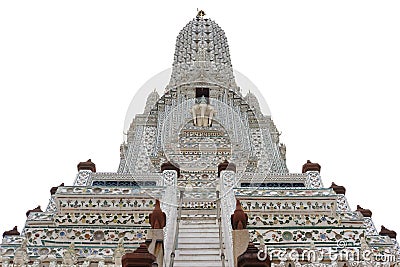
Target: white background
329,71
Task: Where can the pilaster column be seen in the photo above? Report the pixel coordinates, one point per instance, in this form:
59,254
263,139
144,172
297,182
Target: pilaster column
85,170
313,174
169,206
227,183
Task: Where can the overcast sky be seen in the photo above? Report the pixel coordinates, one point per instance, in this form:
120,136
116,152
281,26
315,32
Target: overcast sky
329,71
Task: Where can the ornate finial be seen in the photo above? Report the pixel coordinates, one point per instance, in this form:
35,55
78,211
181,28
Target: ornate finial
239,218
37,209
53,190
340,190
251,257
157,218
140,257
14,231
200,13
309,166
87,165
386,232
364,212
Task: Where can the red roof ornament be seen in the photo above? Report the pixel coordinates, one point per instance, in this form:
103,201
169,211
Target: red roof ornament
37,209
386,232
171,167
14,231
309,166
226,166
141,257
87,165
157,218
53,190
340,190
239,218
364,212
250,258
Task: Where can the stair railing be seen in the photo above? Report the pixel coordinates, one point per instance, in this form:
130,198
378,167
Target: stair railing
221,245
178,220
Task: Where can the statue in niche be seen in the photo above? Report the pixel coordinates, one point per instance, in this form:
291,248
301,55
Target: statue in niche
119,252
21,255
70,255
203,113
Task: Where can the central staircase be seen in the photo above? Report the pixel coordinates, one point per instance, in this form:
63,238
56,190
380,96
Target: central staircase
198,242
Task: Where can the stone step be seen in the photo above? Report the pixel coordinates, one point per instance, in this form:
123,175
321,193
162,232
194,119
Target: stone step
207,211
196,258
198,230
178,263
198,240
199,225
198,220
197,216
192,251
198,246
199,234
